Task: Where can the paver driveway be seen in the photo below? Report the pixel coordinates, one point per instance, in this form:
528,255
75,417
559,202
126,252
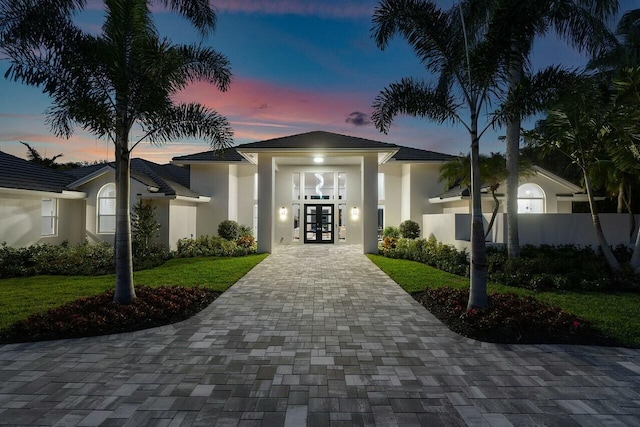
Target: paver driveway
314,334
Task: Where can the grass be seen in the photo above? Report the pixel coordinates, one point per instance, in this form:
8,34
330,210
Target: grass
615,314
24,296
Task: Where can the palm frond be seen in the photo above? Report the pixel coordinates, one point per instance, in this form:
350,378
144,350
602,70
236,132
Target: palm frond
199,12
415,98
188,121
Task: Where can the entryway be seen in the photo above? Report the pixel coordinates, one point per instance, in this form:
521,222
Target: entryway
318,223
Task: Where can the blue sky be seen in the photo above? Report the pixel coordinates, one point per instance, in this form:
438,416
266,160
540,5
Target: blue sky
298,66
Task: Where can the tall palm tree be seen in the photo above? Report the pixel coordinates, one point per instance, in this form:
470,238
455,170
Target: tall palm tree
466,75
579,22
579,127
108,83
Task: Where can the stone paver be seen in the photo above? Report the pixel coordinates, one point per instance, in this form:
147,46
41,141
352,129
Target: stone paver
315,335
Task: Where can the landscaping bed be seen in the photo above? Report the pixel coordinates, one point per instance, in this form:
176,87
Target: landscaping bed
99,315
510,319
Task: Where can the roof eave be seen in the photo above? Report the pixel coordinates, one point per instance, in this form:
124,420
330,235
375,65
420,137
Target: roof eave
64,194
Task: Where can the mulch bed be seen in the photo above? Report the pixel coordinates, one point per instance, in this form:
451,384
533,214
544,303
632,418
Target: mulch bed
510,319
99,315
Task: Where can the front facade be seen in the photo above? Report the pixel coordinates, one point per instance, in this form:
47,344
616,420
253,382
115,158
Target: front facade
312,188
315,188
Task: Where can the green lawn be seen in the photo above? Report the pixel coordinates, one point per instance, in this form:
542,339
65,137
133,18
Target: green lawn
615,314
21,297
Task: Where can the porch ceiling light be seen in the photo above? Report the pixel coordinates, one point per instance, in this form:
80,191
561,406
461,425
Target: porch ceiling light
318,159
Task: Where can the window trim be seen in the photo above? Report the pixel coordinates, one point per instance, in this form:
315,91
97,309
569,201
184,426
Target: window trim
53,217
99,215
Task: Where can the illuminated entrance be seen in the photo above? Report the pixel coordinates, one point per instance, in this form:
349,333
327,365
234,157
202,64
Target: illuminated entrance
318,223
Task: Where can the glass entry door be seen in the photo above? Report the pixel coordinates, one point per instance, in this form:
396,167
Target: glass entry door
318,223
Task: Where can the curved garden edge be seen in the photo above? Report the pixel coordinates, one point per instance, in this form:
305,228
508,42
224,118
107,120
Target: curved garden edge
613,315
36,295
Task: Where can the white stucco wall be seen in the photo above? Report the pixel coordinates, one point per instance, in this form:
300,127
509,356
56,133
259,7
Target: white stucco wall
182,221
534,229
246,196
393,193
21,223
211,180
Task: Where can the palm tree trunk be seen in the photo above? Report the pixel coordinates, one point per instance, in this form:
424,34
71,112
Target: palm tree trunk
620,208
496,206
635,258
125,292
602,240
513,156
478,279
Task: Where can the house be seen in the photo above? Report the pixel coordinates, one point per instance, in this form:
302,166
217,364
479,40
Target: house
312,188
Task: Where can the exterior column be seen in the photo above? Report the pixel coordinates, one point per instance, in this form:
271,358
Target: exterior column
266,171
369,168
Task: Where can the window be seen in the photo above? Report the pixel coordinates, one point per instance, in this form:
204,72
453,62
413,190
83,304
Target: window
295,181
342,223
318,186
107,209
380,186
342,186
255,220
295,215
380,221
49,217
530,199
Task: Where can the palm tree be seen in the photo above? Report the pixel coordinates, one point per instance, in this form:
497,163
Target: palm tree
108,83
466,71
579,22
35,157
493,171
579,127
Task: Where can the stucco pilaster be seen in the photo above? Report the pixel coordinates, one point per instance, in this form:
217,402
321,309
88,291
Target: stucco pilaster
266,171
370,203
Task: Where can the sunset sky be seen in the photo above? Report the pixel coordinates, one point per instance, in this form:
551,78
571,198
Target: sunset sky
297,66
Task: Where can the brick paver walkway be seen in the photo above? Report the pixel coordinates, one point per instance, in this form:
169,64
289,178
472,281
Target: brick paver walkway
315,335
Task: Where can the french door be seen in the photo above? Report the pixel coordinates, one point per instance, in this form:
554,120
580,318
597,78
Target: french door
318,223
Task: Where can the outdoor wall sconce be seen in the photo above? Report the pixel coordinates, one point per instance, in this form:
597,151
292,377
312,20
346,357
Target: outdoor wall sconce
355,213
283,213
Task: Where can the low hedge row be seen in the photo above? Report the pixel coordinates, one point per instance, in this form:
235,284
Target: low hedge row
95,259
564,267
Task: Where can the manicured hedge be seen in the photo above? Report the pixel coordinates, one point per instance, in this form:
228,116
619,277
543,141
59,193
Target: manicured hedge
215,246
538,268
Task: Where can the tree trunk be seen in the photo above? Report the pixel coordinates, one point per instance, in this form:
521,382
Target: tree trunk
513,156
635,258
632,218
125,292
478,273
620,208
496,206
602,240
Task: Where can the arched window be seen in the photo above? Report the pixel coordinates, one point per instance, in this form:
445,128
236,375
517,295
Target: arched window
107,209
530,199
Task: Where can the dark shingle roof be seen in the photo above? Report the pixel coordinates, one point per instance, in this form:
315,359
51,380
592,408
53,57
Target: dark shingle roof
171,180
21,174
415,154
317,140
226,155
167,178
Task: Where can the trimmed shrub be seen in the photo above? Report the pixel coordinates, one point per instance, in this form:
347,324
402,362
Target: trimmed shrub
83,259
391,231
228,229
211,246
245,230
409,229
430,252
